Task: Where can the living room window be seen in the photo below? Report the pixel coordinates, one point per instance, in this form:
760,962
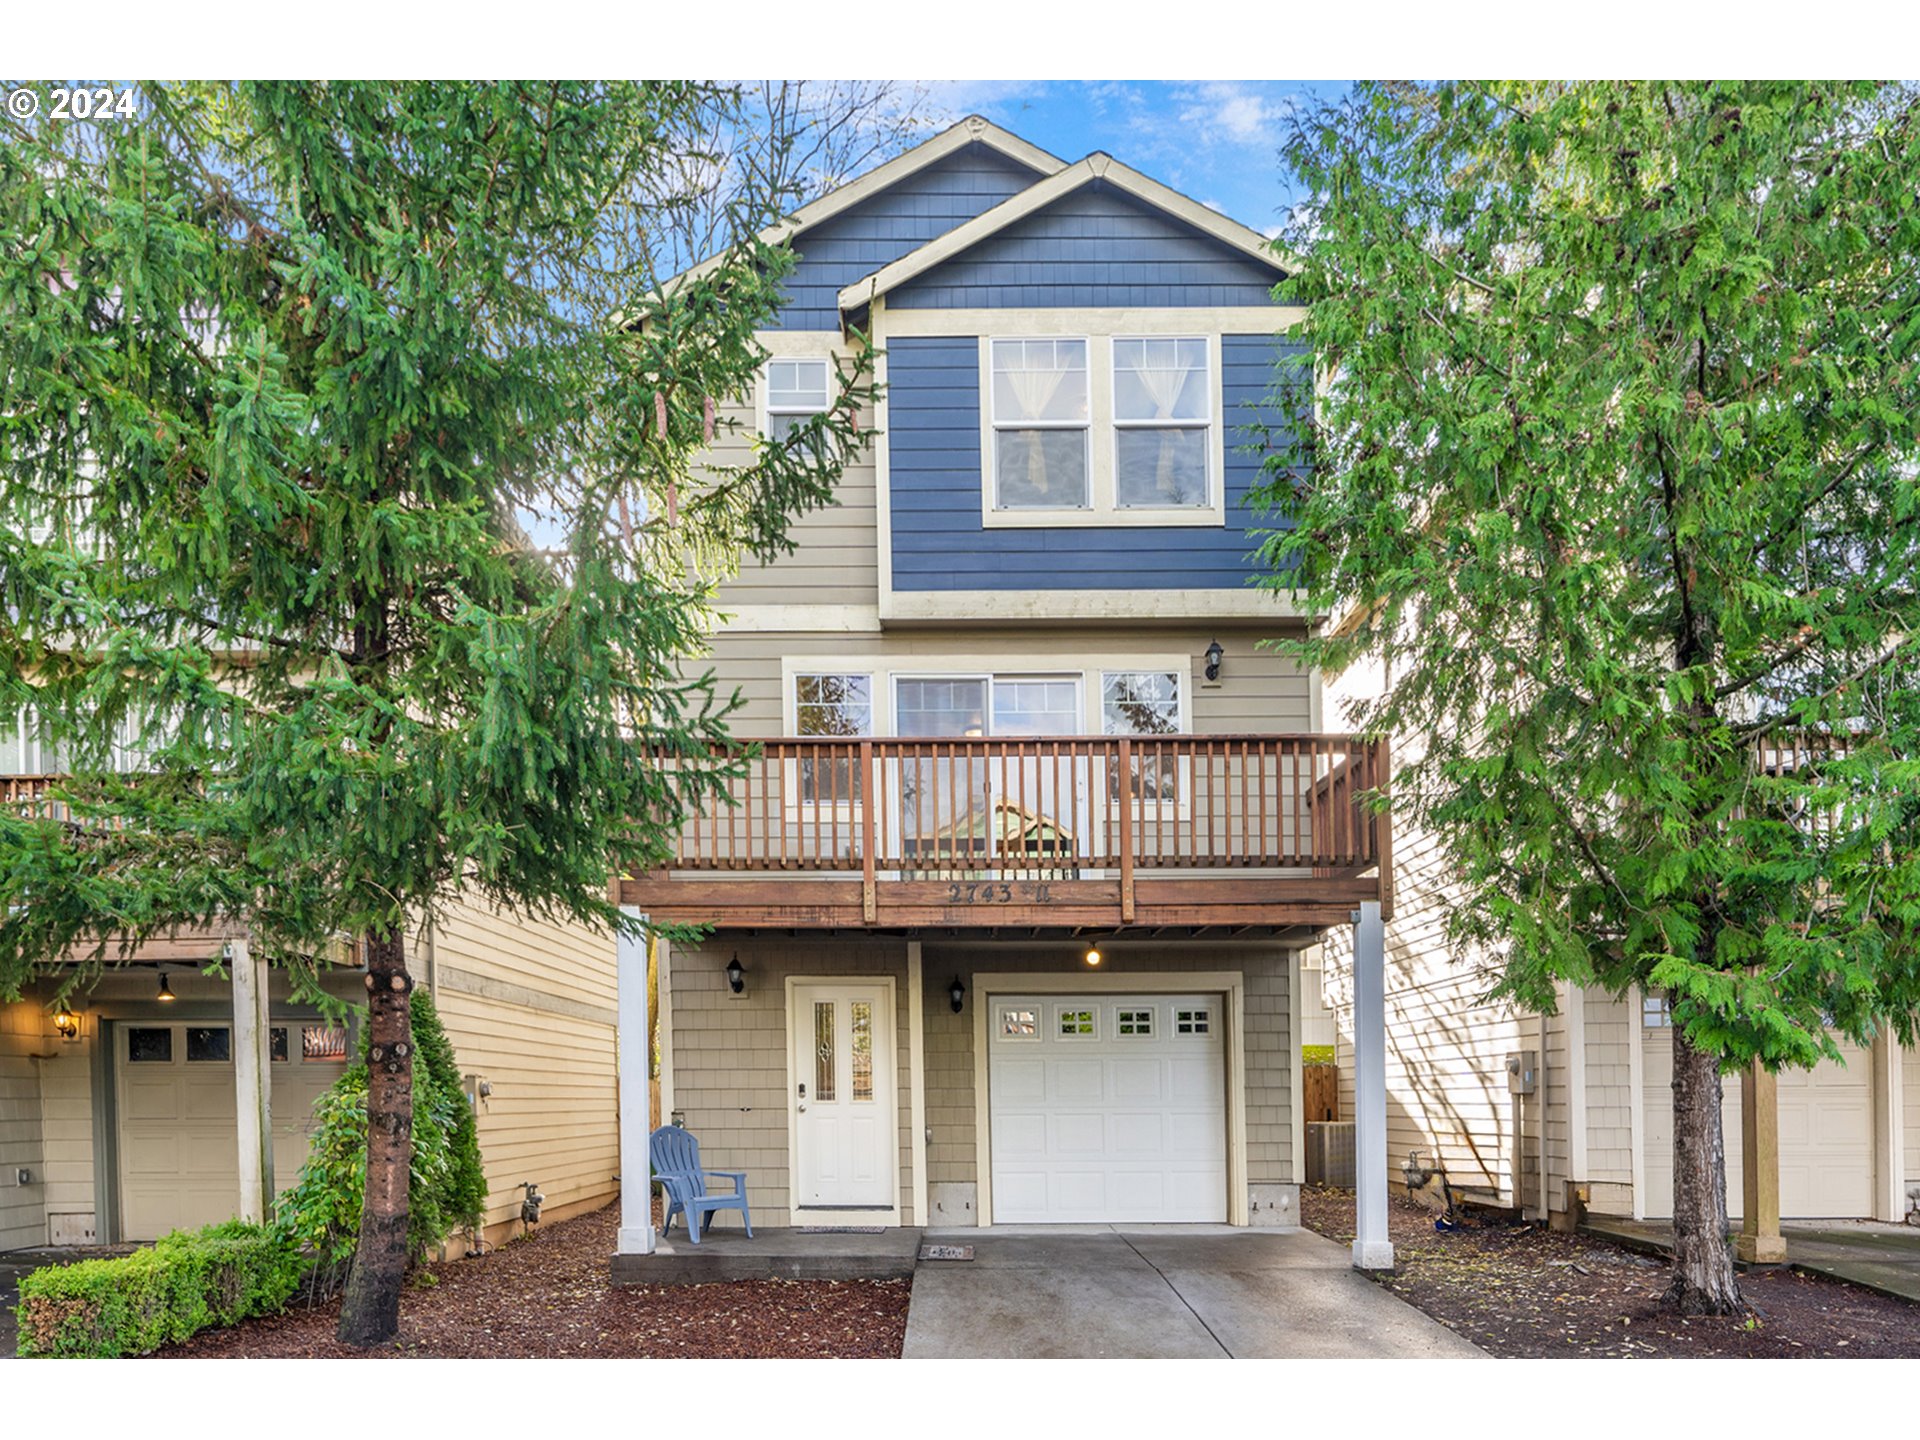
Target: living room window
831,706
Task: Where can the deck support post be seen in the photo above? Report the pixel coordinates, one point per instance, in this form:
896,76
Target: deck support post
252,1083
1372,1250
1889,1130
1759,1241
636,1171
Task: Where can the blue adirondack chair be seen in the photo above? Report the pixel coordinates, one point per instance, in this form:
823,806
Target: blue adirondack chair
676,1165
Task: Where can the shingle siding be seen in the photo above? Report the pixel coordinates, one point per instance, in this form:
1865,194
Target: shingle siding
1094,248
940,542
880,230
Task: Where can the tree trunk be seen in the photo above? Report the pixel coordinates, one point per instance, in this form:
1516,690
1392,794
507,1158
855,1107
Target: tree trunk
370,1313
1703,1281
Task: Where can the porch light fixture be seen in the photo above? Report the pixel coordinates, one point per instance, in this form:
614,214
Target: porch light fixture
67,1023
1214,656
1093,956
736,977
165,997
957,993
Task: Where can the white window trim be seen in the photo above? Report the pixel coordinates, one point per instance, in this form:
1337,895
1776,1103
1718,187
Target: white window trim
1060,1012
799,345
991,440
1103,439
1183,794
796,806
765,409
1216,459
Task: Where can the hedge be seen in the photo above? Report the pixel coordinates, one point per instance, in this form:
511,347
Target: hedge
186,1282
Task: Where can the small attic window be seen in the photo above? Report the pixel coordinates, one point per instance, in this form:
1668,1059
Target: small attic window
797,390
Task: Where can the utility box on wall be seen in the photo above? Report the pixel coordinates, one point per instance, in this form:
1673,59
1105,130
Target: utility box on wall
1523,1072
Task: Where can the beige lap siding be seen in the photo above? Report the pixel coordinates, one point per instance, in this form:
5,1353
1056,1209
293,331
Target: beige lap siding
730,1052
25,1030
951,1119
1259,692
530,1005
1609,1104
1910,1079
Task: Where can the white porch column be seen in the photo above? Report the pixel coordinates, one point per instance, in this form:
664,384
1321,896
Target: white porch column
252,1083
1889,1130
636,1171
1372,1250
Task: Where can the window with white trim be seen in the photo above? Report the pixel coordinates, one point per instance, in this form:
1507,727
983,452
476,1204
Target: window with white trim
1655,1013
797,390
1040,424
831,706
1077,1024
1162,422
1144,702
1018,1022
1133,1023
1192,1022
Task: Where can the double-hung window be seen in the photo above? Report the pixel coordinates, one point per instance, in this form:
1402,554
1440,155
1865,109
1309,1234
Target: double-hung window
797,390
1040,424
831,707
1162,423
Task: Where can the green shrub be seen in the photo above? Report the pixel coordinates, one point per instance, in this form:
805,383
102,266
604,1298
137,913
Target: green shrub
184,1283
446,1187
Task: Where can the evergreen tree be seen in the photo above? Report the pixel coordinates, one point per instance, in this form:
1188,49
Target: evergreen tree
347,475
1614,468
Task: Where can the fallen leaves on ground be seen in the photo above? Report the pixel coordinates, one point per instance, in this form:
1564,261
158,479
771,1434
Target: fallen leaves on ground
1524,1290
553,1295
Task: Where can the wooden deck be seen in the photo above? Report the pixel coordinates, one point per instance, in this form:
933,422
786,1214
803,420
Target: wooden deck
1051,832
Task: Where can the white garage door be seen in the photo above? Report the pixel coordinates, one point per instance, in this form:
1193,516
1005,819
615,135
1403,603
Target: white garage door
179,1138
1826,1134
1107,1108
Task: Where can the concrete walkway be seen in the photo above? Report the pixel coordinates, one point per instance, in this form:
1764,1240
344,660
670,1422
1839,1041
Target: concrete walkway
1878,1257
1152,1292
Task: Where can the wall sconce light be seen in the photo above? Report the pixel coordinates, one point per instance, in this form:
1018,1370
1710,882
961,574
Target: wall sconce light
957,993
1214,656
165,997
67,1023
736,977
1093,956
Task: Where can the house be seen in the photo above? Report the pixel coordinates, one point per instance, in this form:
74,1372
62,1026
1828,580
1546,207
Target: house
1011,902
142,1107
1583,1116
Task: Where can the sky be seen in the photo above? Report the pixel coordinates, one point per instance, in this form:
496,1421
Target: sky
1216,141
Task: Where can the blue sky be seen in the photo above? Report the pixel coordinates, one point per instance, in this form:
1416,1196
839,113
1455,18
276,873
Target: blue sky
1215,140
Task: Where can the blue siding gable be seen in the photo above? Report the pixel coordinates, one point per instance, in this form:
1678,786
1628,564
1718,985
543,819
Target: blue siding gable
1096,247
939,542
882,228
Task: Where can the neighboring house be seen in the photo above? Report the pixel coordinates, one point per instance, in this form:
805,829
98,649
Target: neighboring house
1598,1119
143,1120
1012,905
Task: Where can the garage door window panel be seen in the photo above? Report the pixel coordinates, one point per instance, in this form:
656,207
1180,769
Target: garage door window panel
1077,1023
150,1045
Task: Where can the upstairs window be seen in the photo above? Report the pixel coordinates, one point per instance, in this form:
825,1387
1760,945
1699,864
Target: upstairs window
831,707
797,390
1162,414
1040,421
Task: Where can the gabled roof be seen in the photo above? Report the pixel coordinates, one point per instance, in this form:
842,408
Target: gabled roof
1096,167
974,130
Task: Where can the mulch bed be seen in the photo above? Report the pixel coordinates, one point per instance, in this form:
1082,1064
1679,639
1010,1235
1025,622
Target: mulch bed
553,1295
1524,1290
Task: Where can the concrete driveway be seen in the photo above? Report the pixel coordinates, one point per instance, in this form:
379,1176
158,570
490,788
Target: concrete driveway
1152,1292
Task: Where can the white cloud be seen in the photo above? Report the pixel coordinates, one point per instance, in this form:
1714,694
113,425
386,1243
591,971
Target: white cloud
1231,113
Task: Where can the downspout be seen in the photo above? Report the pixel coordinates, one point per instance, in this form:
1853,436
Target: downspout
1546,1203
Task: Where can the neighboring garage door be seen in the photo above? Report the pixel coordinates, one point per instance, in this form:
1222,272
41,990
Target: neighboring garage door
179,1148
1107,1108
1826,1133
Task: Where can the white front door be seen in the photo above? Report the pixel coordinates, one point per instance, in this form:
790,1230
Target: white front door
841,1035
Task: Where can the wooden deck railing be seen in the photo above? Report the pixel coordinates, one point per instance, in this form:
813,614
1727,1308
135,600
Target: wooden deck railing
1036,808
